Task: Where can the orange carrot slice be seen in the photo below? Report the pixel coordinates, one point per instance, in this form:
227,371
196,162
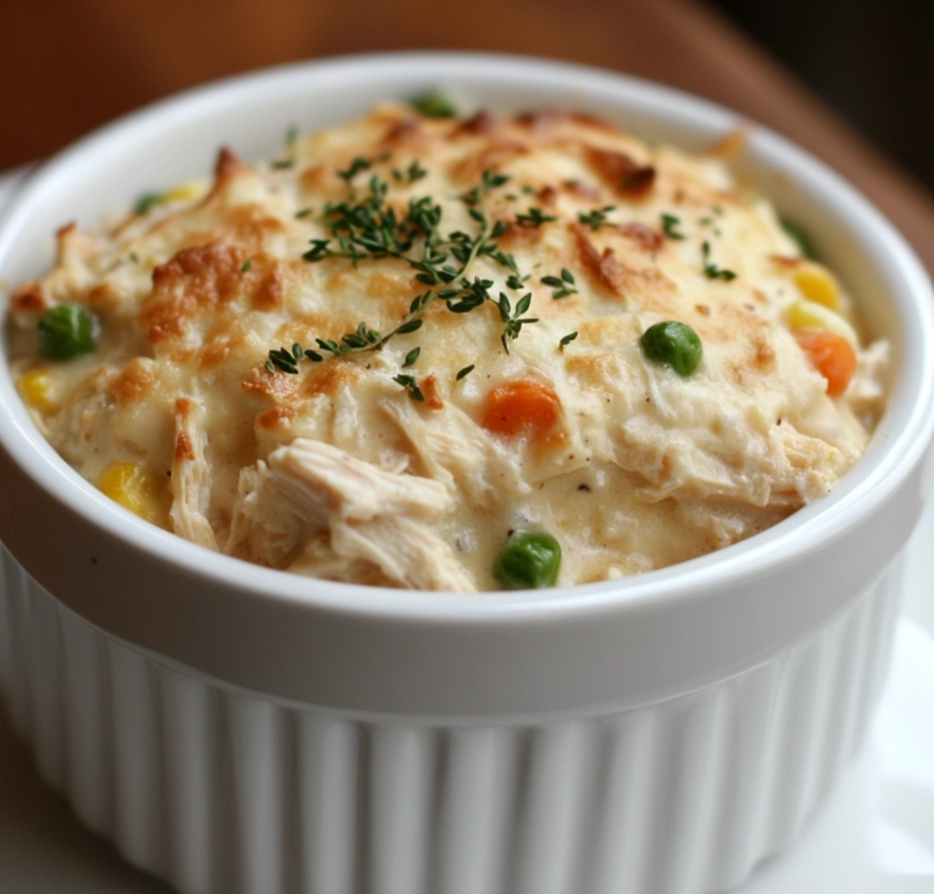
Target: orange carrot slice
520,408
831,355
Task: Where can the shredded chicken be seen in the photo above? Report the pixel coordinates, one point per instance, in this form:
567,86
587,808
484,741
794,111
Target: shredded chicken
384,517
457,453
190,475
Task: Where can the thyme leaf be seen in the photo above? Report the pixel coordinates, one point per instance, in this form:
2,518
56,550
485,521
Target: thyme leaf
562,285
670,223
711,270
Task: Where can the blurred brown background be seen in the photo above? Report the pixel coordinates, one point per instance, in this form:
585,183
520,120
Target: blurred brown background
71,65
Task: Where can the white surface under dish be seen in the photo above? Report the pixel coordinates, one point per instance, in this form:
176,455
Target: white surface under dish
875,835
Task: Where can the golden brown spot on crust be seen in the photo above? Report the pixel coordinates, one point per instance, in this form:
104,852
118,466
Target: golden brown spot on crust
134,383
483,122
392,286
519,233
228,164
784,263
270,292
429,387
541,121
63,239
29,298
765,353
185,407
650,284
547,196
644,236
279,387
493,157
220,345
184,449
247,225
103,295
589,367
321,178
604,268
583,190
406,130
328,378
275,418
623,173
193,282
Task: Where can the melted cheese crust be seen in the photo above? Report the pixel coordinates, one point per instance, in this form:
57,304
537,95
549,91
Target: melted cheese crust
337,472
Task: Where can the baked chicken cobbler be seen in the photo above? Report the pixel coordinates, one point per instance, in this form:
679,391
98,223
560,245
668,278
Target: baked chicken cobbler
451,354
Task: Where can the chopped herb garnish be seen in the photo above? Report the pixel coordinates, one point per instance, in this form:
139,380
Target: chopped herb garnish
246,266
567,340
412,356
712,270
410,385
597,218
282,358
670,223
513,318
366,227
563,285
534,217
434,104
134,257
463,373
411,174
282,164
356,166
305,212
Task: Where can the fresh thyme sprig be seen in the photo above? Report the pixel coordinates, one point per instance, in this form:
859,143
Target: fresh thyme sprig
712,270
411,174
408,382
514,319
596,218
535,217
670,224
563,285
365,227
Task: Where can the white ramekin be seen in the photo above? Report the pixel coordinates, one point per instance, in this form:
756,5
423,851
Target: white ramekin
235,729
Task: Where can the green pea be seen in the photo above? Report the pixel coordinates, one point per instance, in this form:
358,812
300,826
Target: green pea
672,344
434,104
529,561
66,331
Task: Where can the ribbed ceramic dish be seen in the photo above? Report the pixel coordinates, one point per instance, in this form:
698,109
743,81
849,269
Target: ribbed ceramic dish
241,731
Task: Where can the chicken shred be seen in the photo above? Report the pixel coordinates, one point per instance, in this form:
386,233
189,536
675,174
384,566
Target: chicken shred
309,488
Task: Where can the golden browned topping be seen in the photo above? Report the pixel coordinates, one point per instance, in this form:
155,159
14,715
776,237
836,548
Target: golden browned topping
375,356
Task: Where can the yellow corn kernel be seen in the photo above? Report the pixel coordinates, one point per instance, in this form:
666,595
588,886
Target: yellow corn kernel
811,315
818,284
37,388
137,488
184,192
